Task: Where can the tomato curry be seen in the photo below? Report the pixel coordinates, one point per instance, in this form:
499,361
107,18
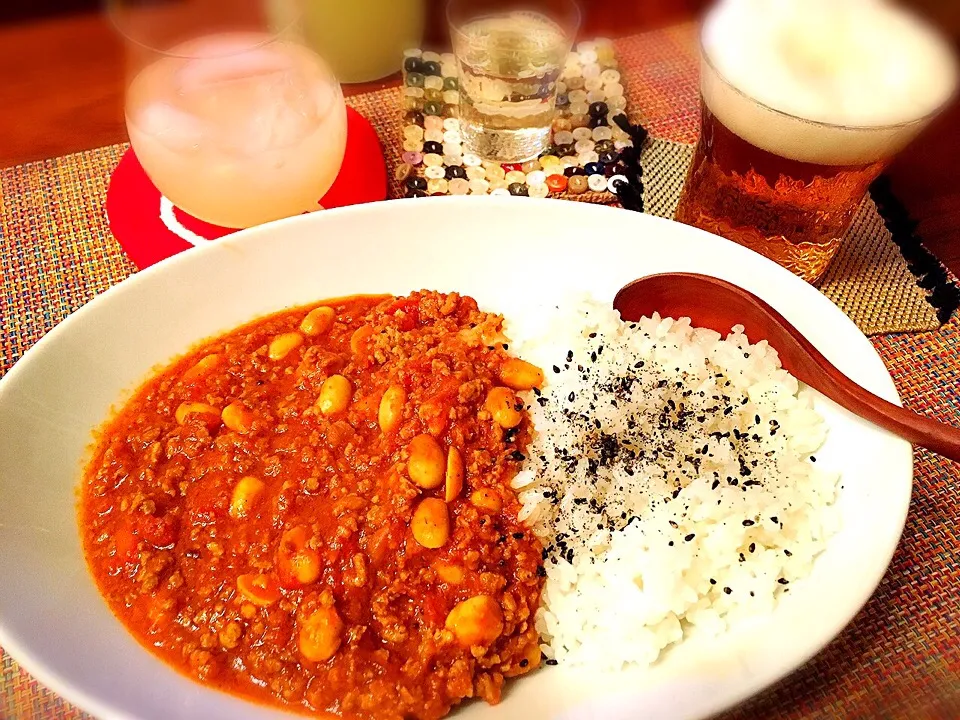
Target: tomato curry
315,510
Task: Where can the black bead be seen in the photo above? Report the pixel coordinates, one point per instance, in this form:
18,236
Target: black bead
571,171
413,65
598,109
603,146
431,67
432,146
416,183
609,170
414,117
518,189
455,171
608,157
564,150
562,100
415,194
593,168
596,122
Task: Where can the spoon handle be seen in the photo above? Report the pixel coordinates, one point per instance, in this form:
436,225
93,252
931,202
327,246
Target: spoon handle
930,434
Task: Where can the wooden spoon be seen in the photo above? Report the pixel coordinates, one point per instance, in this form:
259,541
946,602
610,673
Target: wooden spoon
719,305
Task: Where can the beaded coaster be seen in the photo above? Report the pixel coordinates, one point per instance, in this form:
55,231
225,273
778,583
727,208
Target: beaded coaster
586,139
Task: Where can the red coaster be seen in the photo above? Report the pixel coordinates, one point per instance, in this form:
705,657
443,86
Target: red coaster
151,229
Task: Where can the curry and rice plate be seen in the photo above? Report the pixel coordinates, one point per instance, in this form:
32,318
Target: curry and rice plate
372,507
671,480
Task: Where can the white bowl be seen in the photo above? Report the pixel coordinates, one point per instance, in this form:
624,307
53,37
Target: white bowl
513,255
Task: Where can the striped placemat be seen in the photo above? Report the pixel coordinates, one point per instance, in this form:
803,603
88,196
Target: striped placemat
899,659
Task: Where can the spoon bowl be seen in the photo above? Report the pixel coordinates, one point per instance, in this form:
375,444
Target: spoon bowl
719,305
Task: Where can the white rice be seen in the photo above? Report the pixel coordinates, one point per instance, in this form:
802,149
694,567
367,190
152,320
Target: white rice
671,481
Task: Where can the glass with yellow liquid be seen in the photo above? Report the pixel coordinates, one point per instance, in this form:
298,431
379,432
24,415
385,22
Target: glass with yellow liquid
361,40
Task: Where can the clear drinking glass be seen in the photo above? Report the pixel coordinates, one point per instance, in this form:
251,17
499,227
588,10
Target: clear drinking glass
510,56
234,120
782,184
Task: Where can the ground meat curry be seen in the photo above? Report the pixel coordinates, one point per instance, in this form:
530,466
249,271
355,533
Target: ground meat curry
314,510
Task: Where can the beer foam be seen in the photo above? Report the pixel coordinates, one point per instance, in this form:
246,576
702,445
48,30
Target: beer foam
862,64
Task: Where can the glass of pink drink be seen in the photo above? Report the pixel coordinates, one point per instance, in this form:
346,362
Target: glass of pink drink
235,122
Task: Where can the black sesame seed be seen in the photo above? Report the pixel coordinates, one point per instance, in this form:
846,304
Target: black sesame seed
551,661
774,519
670,543
518,536
712,581
727,590
556,369
753,547
783,581
812,459
787,553
747,523
689,537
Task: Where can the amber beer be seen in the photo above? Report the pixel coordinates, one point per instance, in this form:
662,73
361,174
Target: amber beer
782,167
794,212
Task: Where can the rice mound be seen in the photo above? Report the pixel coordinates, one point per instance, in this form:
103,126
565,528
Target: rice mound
671,481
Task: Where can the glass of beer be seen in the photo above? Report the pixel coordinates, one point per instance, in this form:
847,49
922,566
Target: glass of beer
803,104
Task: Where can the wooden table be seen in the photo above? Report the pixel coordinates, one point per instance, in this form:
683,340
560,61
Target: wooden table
63,90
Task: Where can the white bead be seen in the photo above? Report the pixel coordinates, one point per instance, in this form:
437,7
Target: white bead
452,160
613,90
612,182
591,84
413,92
586,46
448,69
584,146
537,177
516,176
433,136
476,173
579,109
435,172
452,136
412,145
430,56
538,190
585,158
582,133
561,87
572,71
597,183
455,149
610,76
564,137
432,122
617,103
591,71
432,82
412,52
500,192
432,160
588,57
621,144
451,124
479,186
471,160
413,132
596,96
570,161
602,133
577,96
451,97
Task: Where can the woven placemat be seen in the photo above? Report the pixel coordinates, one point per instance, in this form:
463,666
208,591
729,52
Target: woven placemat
900,658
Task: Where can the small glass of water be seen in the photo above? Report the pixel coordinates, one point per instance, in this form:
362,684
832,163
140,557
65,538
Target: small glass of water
510,57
